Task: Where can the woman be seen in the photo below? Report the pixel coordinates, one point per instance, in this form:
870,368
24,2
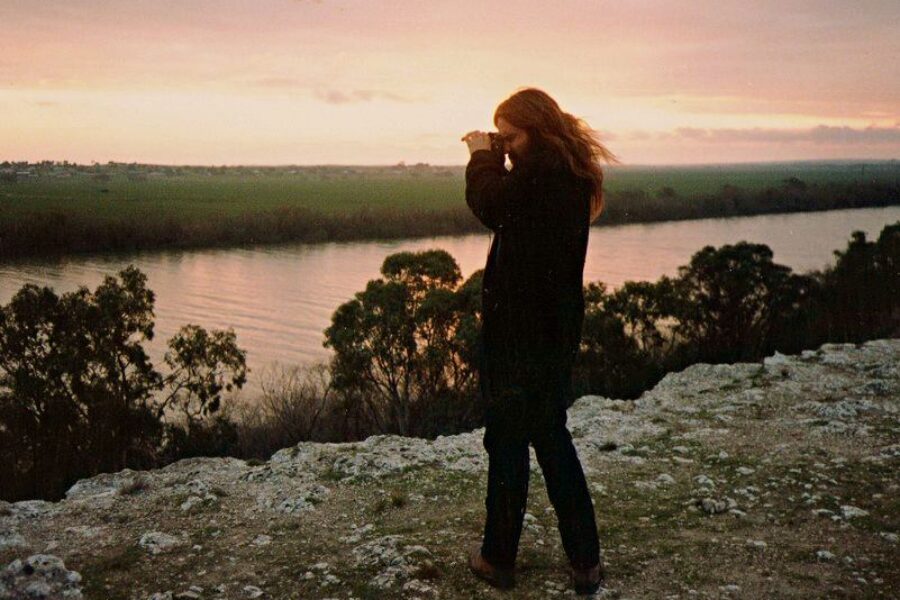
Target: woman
533,308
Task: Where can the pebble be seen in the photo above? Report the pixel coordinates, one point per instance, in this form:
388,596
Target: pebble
851,512
704,480
157,542
251,591
824,555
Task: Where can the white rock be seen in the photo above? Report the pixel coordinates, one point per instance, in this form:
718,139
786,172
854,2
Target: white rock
12,540
39,576
713,506
251,591
418,587
776,359
190,503
850,512
704,480
156,542
395,563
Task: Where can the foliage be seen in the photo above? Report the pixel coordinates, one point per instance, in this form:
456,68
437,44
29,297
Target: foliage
202,364
729,300
404,345
734,303
862,289
608,357
78,393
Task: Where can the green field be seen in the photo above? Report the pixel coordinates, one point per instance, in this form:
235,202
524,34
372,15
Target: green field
54,208
333,190
709,179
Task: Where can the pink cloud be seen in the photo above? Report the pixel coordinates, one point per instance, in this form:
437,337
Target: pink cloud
821,134
333,96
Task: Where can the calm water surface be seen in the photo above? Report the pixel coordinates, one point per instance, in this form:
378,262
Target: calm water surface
280,299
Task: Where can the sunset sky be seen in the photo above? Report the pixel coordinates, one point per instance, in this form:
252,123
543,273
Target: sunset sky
380,81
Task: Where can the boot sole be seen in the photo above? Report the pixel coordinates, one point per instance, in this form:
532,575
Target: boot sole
503,582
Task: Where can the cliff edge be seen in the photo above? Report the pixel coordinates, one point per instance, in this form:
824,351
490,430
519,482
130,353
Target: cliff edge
749,480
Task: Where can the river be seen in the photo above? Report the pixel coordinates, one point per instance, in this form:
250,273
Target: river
280,299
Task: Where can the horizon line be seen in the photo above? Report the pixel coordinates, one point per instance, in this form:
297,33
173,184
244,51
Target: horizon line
449,165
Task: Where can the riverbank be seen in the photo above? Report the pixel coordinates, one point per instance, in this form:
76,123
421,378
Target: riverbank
124,208
757,480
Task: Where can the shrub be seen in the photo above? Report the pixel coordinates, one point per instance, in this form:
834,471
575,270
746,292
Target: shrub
78,393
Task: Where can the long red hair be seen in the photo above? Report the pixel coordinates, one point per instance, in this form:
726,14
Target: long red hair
566,136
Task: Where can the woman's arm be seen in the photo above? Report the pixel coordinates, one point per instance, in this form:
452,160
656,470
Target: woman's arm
491,191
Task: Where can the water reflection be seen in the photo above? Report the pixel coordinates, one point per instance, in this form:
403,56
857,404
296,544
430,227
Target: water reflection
280,299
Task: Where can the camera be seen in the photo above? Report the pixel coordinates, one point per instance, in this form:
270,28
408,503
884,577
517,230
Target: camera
496,143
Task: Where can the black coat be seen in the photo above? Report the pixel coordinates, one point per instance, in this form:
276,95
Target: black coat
532,296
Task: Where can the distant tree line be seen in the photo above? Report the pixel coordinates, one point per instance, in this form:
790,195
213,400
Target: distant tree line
55,232
78,395
793,195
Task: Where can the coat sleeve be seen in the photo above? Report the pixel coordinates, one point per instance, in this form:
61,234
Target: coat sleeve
492,191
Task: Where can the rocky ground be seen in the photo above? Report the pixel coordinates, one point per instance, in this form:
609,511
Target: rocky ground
754,480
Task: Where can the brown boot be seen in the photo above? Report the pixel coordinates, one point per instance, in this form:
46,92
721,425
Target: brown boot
497,577
588,581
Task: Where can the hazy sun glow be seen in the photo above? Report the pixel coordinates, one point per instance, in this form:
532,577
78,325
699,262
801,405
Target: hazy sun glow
376,82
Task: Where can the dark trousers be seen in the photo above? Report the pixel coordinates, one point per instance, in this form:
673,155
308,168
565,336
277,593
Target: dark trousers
509,428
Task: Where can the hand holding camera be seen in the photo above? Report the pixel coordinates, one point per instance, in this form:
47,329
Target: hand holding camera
479,140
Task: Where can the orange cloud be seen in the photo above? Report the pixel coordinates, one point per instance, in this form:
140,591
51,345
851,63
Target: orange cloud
822,134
